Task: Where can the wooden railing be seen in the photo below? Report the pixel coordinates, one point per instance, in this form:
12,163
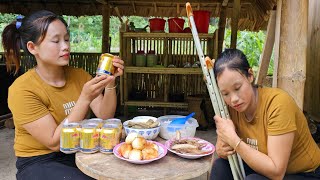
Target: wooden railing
87,61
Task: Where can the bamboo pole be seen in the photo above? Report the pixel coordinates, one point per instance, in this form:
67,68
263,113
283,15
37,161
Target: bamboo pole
234,23
105,28
222,26
267,49
276,44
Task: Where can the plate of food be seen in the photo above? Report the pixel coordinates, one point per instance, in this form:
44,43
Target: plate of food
137,150
190,147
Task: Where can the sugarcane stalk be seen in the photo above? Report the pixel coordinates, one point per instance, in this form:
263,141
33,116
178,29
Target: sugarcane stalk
213,95
218,104
224,113
241,165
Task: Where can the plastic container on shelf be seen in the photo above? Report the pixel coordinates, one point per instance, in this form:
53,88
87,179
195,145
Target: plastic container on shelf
176,25
157,24
152,59
140,59
187,130
202,19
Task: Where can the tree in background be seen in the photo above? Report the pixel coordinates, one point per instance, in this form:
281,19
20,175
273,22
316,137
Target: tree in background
86,35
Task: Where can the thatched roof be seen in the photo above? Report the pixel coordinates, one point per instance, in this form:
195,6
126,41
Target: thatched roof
253,15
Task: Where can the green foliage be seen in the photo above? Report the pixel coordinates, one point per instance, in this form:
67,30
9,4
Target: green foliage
251,44
86,34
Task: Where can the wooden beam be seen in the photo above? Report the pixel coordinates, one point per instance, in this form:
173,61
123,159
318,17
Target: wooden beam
105,28
155,7
234,23
277,44
267,49
293,48
118,13
222,26
133,7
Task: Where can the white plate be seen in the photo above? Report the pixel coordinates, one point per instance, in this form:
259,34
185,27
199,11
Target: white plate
162,152
208,147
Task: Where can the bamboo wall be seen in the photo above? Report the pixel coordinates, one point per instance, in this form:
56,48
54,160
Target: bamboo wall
312,87
86,61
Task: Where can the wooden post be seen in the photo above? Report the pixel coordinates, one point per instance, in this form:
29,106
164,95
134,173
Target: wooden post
267,49
277,44
293,48
234,23
312,87
222,26
105,28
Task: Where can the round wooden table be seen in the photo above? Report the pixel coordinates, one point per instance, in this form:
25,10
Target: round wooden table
171,166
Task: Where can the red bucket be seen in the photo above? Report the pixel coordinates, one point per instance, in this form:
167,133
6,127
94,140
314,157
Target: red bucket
202,18
176,25
157,24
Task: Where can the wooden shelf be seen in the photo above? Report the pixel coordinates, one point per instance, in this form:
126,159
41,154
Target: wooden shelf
156,70
157,104
160,81
164,35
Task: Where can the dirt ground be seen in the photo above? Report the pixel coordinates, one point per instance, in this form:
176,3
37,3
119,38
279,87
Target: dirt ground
7,157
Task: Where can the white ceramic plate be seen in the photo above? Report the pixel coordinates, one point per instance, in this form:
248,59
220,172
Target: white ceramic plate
208,147
162,152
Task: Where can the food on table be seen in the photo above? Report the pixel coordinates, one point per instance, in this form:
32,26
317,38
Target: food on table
135,154
150,152
131,137
125,149
138,143
143,125
137,148
189,146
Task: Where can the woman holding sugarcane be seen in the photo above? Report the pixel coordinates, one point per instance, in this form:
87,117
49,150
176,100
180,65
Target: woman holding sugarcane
267,129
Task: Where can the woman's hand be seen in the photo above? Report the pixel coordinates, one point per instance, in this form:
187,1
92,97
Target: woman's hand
226,131
94,87
119,66
223,149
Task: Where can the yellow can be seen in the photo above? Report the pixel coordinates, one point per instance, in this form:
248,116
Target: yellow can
105,65
89,138
97,121
69,138
109,138
116,122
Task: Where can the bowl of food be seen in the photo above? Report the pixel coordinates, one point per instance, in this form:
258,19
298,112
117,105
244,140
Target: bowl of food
136,149
168,131
147,126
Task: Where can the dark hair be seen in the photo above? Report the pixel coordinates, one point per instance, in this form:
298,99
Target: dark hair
33,28
232,59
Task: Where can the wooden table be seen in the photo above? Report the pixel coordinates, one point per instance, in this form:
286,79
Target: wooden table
108,166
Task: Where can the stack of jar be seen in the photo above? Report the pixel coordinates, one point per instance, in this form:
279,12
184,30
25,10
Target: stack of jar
90,136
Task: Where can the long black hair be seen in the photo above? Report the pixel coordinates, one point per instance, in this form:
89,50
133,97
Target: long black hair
17,34
232,59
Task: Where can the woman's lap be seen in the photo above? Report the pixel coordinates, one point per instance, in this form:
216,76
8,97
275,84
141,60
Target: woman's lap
221,170
53,166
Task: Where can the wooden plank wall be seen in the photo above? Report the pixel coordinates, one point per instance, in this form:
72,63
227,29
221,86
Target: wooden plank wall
312,87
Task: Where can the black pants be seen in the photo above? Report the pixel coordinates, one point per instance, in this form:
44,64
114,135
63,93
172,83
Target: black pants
221,170
53,166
